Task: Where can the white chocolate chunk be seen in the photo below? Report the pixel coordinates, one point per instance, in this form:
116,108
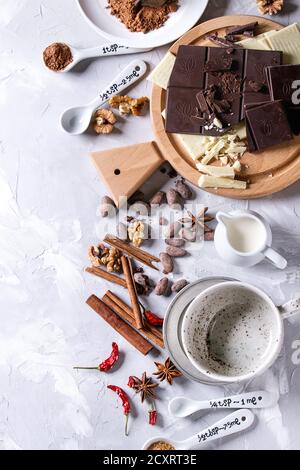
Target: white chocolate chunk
218,171
162,72
207,181
237,166
240,131
213,152
195,145
259,42
287,40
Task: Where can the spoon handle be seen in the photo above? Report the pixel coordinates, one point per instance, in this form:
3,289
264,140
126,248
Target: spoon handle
181,407
236,422
131,74
107,50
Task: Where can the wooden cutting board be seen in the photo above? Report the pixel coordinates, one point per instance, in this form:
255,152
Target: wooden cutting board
125,169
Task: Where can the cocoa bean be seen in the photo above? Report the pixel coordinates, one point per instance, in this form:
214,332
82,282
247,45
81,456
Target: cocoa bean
122,231
163,221
174,198
209,236
167,263
143,283
179,285
173,230
107,206
158,199
175,252
183,189
162,287
188,235
177,242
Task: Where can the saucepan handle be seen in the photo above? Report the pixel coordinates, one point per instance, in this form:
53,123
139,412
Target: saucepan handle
290,308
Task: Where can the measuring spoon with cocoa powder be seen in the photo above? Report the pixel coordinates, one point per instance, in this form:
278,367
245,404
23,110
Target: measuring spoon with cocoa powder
234,423
61,57
76,121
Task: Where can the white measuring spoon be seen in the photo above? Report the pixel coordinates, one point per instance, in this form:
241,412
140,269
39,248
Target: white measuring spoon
181,407
236,422
75,121
101,51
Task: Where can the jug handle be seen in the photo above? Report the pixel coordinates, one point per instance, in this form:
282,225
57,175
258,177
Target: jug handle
279,261
290,308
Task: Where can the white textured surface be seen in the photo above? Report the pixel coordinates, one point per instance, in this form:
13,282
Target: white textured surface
49,196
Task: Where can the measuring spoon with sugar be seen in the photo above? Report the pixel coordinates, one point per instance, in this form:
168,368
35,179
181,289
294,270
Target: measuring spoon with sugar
75,121
105,50
181,407
234,423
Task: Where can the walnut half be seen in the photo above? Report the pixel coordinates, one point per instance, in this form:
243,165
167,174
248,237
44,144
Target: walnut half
104,121
270,7
126,104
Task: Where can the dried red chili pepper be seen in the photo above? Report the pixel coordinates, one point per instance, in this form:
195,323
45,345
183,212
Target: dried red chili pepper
153,319
108,364
153,417
131,382
125,403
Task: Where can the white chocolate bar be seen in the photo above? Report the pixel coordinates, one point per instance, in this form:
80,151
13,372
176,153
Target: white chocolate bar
162,72
218,171
207,181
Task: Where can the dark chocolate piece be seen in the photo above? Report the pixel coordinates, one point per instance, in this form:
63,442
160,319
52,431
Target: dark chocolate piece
182,105
188,70
223,42
220,84
241,30
281,79
268,125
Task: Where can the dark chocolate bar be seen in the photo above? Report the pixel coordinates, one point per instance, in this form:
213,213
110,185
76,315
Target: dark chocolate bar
225,78
267,125
284,84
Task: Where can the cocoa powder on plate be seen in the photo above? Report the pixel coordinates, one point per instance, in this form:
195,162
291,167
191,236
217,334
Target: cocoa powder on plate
57,56
139,18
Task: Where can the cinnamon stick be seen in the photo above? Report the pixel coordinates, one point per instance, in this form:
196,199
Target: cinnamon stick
132,251
119,325
128,272
107,276
125,312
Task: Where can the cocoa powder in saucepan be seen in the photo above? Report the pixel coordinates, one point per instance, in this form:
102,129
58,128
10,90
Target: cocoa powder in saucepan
57,56
139,18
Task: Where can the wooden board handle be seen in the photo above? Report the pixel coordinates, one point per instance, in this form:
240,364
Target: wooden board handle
125,169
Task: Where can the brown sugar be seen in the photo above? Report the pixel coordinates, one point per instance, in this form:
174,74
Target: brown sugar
57,56
139,18
161,445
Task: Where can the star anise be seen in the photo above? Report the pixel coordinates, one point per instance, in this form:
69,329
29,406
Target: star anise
270,7
144,386
167,371
201,220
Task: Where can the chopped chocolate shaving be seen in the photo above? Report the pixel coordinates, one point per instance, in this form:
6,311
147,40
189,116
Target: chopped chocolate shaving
219,66
241,30
256,86
215,39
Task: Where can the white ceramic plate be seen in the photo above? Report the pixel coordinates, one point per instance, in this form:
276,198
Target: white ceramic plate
108,26
173,324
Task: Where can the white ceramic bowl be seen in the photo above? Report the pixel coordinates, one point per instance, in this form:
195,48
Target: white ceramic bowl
109,27
222,299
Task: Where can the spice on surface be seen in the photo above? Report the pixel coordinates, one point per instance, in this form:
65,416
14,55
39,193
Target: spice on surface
57,56
167,371
161,445
108,364
144,387
139,18
125,403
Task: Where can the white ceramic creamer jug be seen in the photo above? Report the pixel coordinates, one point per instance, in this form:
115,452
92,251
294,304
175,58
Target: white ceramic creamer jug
244,238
